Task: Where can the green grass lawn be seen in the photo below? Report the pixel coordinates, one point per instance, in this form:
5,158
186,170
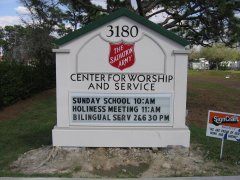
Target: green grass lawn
211,146
211,90
214,73
33,128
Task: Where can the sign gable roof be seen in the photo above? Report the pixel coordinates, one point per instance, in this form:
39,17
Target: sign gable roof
119,13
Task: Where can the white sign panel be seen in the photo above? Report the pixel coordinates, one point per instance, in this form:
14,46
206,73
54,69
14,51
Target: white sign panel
223,124
121,82
120,109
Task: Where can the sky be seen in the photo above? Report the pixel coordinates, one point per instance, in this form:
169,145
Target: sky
12,10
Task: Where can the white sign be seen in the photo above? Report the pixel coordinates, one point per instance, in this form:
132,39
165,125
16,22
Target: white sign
222,124
127,109
121,82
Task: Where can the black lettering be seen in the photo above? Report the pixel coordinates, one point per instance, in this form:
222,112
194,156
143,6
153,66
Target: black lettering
72,77
110,30
134,31
166,117
116,86
91,86
74,101
99,86
170,77
124,31
74,117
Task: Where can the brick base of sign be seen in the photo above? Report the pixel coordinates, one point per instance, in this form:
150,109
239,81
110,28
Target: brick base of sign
120,137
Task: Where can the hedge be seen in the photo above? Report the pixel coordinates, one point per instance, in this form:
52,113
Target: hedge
18,81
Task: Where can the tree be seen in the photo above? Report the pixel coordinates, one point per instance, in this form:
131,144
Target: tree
78,13
38,45
201,22
11,40
29,65
45,14
26,44
219,53
55,15
194,55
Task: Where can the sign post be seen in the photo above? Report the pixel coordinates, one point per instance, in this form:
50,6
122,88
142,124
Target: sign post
121,82
224,138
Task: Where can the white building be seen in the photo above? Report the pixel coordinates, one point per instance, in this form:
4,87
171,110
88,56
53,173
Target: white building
233,65
201,64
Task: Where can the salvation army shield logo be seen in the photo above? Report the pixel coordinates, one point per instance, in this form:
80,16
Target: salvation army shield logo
121,55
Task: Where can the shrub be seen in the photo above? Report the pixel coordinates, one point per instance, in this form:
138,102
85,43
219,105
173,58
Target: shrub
18,81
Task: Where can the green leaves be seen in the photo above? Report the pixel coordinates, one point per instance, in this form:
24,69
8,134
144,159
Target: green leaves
201,22
18,81
219,53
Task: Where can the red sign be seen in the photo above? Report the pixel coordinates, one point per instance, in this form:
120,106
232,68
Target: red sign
121,55
225,119
223,125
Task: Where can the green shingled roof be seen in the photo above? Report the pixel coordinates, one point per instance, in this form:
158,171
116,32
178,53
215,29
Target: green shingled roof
119,13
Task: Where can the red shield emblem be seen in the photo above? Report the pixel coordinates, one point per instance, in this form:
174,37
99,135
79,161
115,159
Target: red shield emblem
121,55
